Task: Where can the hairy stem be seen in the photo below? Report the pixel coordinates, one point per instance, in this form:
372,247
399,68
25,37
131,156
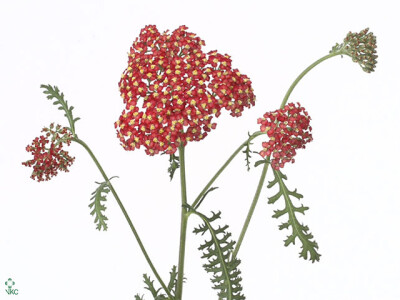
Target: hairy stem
252,208
205,189
82,143
184,218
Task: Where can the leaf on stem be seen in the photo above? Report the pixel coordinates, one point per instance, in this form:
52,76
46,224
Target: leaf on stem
309,246
150,286
172,280
174,165
53,92
247,152
157,293
218,251
99,196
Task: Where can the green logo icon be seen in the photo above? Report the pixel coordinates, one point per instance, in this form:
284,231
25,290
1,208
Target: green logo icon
10,283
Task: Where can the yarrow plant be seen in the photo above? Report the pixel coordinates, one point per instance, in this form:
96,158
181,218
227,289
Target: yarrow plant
172,93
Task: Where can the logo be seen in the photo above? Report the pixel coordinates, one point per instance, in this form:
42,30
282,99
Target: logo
10,283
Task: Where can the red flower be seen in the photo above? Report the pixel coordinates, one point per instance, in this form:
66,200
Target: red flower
172,90
288,129
49,159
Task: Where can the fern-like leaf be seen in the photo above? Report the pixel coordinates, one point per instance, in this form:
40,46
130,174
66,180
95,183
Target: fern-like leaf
150,286
99,196
247,152
174,165
218,251
157,293
300,231
53,92
172,280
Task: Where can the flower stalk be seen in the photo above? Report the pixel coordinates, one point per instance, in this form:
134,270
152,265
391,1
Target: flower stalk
125,213
252,208
184,219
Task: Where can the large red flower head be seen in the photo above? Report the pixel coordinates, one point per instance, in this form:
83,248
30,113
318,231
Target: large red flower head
288,129
48,154
172,90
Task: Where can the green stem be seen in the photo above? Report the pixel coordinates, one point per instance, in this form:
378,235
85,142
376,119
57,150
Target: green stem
302,74
252,208
264,172
82,143
184,219
205,189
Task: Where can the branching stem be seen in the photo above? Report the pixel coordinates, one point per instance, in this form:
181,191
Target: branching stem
205,189
264,172
84,145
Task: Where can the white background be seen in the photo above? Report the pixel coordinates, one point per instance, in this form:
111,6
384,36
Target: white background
349,175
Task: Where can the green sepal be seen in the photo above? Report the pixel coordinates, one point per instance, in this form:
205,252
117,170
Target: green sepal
218,252
53,92
300,231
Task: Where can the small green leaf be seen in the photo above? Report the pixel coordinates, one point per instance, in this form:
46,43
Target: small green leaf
172,280
174,165
53,92
150,286
247,152
99,196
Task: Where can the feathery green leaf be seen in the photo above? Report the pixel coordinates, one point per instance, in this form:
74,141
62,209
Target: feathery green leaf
172,280
218,251
174,165
309,247
53,92
150,286
247,152
157,293
99,196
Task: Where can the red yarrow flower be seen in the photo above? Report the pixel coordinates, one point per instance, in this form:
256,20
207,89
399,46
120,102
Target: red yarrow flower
48,154
172,90
288,129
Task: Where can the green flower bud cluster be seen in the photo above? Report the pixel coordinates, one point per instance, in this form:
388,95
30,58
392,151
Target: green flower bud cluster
361,47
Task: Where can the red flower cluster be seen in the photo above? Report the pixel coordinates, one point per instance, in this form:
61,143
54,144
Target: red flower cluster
179,88
48,160
288,129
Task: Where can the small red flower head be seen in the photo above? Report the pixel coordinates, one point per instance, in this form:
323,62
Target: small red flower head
288,129
48,154
172,90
